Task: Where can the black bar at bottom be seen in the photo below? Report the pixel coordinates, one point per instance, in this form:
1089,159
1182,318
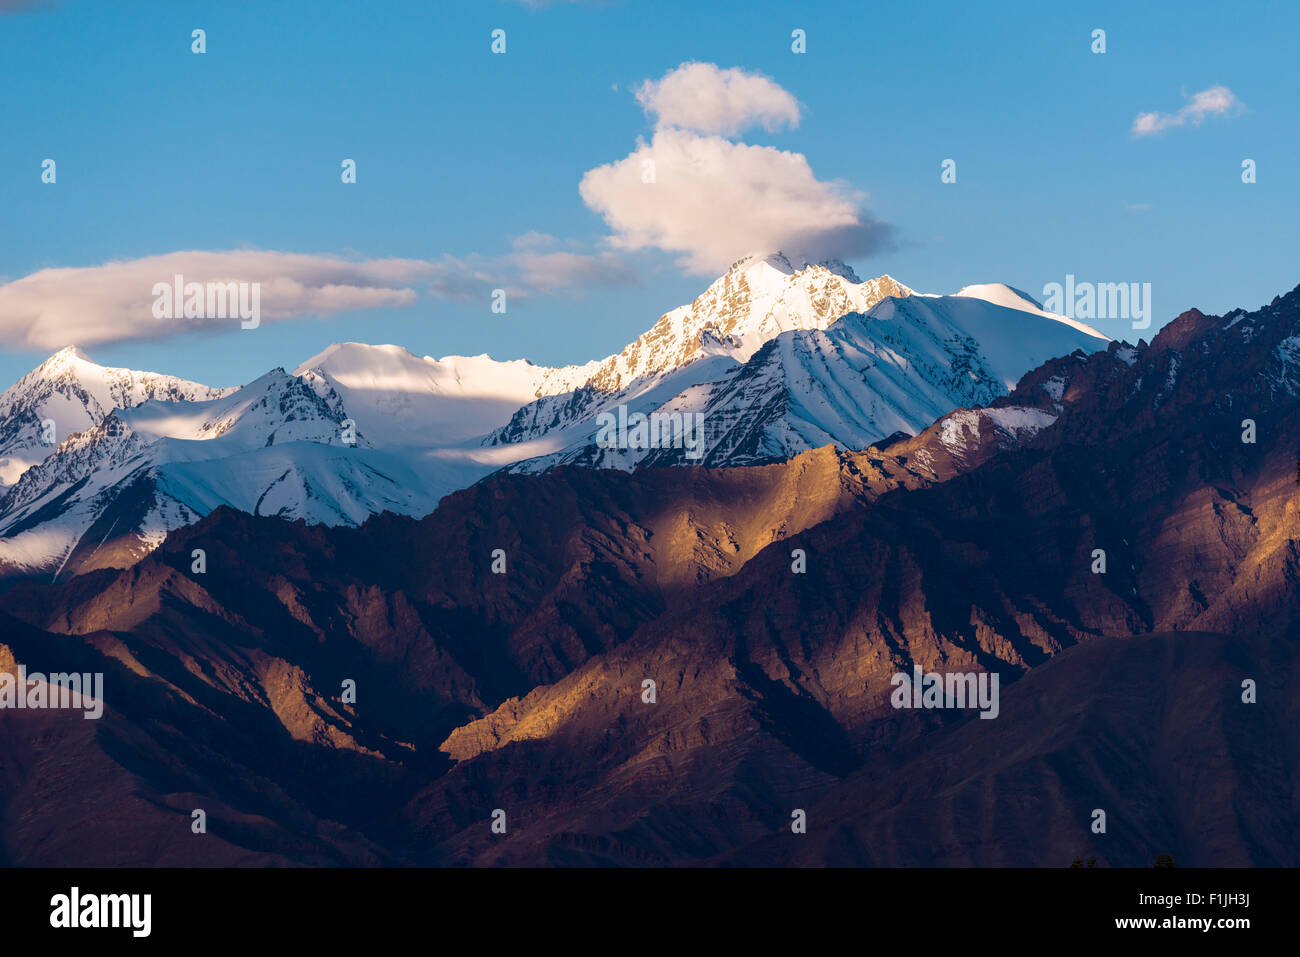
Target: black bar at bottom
329,907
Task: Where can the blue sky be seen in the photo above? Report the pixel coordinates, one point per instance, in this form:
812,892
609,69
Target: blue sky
460,152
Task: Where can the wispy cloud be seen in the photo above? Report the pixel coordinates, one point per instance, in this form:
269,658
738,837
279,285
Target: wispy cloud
538,264
113,302
553,267
1216,101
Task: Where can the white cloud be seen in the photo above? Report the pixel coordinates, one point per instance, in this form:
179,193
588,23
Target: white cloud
707,99
713,201
694,191
113,302
1216,101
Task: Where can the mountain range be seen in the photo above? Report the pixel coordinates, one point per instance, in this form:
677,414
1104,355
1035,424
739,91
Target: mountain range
776,358
1114,534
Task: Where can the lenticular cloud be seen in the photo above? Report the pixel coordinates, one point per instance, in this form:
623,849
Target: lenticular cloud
113,302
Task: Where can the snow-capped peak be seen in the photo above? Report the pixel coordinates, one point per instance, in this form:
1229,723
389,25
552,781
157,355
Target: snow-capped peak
782,353
69,392
896,367
399,398
64,358
787,265
1000,294
757,298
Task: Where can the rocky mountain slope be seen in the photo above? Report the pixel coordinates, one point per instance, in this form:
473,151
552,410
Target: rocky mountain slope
109,494
770,606
758,298
895,368
71,393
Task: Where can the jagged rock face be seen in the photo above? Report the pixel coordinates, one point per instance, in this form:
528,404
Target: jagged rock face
1152,728
969,547
895,368
120,790
109,494
73,394
757,299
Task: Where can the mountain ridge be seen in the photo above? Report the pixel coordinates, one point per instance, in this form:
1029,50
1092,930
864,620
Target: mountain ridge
402,431
770,605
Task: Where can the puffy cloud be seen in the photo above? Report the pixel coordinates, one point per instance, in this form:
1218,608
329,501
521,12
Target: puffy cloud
707,99
114,302
693,190
1216,101
713,200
